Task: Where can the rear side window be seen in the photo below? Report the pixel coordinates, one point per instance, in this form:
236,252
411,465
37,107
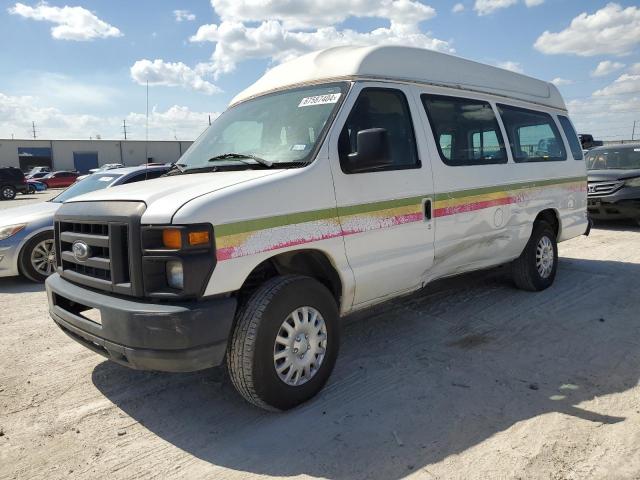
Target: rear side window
572,137
382,108
533,136
466,131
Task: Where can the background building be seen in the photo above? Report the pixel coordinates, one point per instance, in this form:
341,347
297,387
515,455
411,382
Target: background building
82,155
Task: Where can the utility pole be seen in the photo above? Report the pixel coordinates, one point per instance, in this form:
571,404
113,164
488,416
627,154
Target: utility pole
633,133
124,128
33,127
209,120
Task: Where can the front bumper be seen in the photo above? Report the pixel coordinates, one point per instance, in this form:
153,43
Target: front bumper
175,337
601,208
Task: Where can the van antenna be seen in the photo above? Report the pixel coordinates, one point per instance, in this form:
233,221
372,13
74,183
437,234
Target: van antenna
146,142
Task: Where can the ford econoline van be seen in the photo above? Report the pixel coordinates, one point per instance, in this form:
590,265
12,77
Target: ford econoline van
338,180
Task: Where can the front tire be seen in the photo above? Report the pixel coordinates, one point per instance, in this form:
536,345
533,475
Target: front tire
535,269
37,258
285,343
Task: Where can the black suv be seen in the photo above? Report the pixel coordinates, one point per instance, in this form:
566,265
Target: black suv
12,181
614,182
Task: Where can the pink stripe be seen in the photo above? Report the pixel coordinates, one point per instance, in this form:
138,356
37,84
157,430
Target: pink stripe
228,253
470,207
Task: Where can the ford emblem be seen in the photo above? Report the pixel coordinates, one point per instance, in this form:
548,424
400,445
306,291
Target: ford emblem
81,250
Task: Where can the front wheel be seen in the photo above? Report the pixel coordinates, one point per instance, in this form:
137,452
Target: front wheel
536,267
285,343
38,257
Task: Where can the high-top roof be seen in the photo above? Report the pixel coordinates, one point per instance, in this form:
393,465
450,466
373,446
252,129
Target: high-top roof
408,64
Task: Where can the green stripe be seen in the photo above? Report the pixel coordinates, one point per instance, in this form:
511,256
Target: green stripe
510,187
330,213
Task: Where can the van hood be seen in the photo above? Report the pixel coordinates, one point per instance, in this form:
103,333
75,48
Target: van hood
164,196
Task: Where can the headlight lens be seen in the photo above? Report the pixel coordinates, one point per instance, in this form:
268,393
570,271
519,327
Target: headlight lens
11,230
175,274
632,182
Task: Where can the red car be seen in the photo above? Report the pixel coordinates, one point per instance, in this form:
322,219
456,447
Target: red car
59,179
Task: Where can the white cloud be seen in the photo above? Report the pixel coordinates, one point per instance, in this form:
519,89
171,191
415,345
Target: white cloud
184,16
612,30
159,72
533,3
457,8
606,67
634,69
311,14
624,84
17,113
236,42
511,66
486,7
73,23
558,82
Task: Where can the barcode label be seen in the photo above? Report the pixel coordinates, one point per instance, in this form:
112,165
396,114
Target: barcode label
319,100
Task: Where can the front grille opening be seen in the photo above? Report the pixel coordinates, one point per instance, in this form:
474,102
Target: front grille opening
98,273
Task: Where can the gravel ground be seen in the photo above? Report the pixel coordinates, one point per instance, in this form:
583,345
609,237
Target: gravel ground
468,379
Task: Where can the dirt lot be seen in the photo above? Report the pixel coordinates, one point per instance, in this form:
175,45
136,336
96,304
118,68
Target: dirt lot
468,379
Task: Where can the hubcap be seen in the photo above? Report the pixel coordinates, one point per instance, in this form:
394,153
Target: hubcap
43,257
544,257
300,346
7,193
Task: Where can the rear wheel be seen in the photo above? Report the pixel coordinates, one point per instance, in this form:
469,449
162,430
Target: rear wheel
285,342
536,267
38,257
8,192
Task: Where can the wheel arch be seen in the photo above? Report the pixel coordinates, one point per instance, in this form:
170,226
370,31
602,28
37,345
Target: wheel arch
552,217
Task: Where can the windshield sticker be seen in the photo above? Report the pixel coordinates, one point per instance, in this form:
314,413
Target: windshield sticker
319,100
297,148
105,179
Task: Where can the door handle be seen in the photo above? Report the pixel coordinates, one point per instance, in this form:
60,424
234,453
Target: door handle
427,208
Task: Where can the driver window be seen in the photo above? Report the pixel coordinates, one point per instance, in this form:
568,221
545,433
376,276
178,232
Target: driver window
381,108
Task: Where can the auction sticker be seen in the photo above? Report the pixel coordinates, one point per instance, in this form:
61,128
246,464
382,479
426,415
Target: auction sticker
319,100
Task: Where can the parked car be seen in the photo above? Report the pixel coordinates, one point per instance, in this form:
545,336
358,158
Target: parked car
60,179
26,233
34,186
36,176
614,182
337,181
12,181
107,166
37,170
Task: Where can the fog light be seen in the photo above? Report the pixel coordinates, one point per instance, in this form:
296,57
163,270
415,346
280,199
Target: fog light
175,275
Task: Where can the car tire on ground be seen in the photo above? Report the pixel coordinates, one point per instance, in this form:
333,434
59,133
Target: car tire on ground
37,257
31,190
536,267
285,342
7,192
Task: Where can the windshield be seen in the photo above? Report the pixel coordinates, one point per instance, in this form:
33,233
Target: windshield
282,128
89,184
617,158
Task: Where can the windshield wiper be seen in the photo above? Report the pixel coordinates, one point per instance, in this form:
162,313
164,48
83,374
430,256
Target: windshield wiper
176,169
240,156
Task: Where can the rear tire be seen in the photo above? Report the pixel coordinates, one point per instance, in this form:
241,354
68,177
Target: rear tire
37,258
7,192
285,343
535,269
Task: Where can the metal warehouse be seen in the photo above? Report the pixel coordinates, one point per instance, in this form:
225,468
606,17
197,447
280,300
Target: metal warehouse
82,155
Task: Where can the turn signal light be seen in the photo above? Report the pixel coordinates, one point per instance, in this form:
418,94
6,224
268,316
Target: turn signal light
198,238
171,238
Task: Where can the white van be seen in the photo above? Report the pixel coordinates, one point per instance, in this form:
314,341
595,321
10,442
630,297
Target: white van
339,180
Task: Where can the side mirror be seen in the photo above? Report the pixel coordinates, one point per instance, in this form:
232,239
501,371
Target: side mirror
373,151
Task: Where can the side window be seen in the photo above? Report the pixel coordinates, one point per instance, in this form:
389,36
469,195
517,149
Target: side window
466,130
572,137
387,109
533,136
139,177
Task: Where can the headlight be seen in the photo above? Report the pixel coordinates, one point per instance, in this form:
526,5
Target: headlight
175,274
11,230
632,182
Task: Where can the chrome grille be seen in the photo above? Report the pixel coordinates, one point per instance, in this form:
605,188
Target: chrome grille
603,188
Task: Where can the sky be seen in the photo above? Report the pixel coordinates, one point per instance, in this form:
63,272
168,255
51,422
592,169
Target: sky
78,68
